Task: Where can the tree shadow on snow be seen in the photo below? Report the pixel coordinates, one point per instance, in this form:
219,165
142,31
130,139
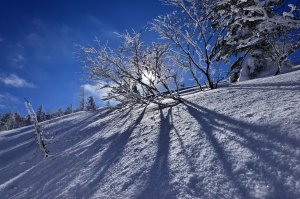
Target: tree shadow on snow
157,185
110,157
263,141
65,166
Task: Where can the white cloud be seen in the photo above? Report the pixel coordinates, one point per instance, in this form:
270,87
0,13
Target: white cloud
95,91
15,81
6,100
18,60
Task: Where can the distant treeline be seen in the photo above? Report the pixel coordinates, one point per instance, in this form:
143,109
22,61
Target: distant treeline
11,120
14,120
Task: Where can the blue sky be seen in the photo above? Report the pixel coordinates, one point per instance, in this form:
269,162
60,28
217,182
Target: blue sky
37,38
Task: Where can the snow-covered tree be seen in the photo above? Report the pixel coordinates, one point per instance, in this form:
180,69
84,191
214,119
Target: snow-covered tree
19,120
28,120
91,105
41,115
13,120
51,114
60,112
8,121
195,43
38,128
256,30
134,72
69,109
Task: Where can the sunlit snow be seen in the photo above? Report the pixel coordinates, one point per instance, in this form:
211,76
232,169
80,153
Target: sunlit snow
239,141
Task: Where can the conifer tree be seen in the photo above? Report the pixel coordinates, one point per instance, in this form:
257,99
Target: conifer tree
267,35
41,116
60,112
91,105
69,109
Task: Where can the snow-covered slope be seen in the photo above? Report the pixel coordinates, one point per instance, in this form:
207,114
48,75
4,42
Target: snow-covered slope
240,141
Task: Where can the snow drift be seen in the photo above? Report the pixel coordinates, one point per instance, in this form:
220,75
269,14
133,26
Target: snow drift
239,141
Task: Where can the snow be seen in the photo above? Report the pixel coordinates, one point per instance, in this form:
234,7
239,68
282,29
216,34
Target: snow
290,14
239,141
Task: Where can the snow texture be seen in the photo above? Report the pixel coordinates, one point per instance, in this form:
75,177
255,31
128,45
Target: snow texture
239,141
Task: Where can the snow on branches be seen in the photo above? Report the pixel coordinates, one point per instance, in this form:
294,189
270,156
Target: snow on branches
134,73
269,28
38,129
196,45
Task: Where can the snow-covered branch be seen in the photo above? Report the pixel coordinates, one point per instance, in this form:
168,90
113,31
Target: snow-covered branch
195,43
134,72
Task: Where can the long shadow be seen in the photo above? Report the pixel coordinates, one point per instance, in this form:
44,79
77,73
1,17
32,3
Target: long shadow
243,126
30,145
66,133
69,133
195,184
110,157
96,144
158,185
26,152
208,127
190,163
73,164
256,139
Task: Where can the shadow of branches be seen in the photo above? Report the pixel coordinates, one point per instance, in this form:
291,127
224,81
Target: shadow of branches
264,141
157,185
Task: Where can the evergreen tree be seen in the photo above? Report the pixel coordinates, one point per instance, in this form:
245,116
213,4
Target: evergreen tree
28,120
19,120
91,106
41,116
60,112
8,121
69,109
52,114
258,29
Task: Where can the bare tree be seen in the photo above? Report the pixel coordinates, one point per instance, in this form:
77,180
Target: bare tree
282,44
134,72
189,30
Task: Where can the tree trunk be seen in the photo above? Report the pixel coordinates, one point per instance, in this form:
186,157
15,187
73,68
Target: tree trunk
210,83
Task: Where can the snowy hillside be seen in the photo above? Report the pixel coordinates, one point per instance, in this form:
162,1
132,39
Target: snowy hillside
239,141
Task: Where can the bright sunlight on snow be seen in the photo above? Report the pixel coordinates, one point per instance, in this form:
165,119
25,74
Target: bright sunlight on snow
245,143
157,99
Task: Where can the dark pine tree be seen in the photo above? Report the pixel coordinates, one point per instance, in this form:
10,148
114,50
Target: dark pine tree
91,105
